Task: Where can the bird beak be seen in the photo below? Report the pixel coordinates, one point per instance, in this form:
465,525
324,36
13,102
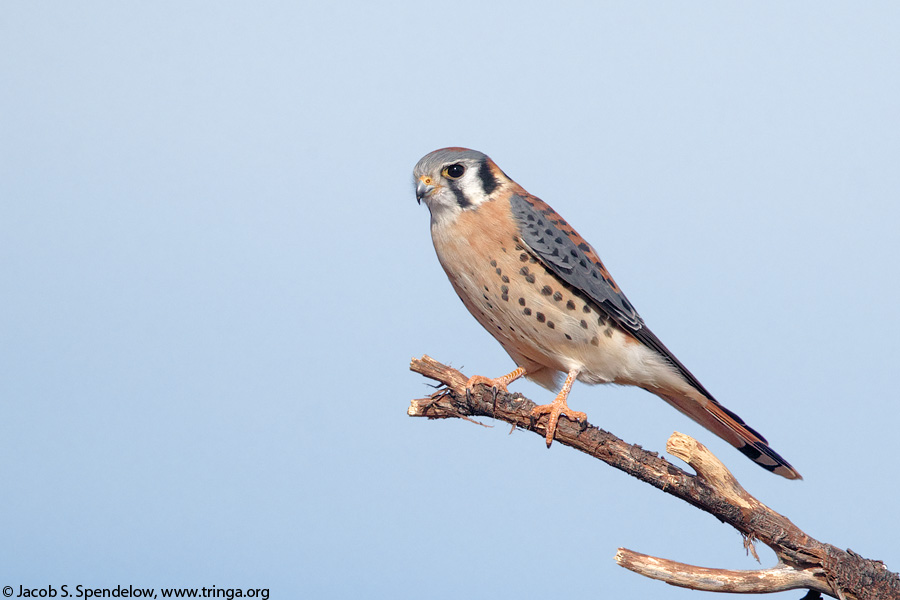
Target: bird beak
423,189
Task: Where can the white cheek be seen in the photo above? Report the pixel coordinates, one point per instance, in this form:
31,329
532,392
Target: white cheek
471,188
444,204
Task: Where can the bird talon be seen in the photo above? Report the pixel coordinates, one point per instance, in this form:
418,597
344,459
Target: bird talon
497,385
557,409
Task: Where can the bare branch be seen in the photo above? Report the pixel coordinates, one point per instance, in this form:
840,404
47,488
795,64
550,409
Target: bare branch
803,561
763,581
711,469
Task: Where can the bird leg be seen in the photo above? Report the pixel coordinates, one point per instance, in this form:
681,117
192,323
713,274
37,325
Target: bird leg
559,407
498,384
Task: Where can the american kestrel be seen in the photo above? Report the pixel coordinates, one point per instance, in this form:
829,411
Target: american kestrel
540,289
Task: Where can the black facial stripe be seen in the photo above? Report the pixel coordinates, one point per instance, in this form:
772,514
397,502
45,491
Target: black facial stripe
488,181
460,196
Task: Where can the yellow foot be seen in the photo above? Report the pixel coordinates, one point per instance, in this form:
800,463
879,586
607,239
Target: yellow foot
498,384
558,408
555,410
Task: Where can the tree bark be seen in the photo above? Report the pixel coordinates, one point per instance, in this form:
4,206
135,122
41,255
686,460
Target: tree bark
803,562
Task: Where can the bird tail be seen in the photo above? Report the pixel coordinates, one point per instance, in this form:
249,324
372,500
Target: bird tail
731,428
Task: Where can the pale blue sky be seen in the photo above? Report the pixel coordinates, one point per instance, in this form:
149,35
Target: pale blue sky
214,273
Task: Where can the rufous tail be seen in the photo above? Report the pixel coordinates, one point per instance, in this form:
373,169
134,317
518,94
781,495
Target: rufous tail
731,428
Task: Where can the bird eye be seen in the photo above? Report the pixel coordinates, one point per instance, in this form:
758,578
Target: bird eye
454,171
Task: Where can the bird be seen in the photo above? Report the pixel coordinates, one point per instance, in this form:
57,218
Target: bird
543,293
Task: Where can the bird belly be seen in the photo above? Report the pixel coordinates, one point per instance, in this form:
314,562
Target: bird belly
546,326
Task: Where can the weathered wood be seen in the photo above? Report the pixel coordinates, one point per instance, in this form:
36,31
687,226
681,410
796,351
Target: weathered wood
780,578
804,563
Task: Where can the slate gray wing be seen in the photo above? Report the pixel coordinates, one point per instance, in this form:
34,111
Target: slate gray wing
559,248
